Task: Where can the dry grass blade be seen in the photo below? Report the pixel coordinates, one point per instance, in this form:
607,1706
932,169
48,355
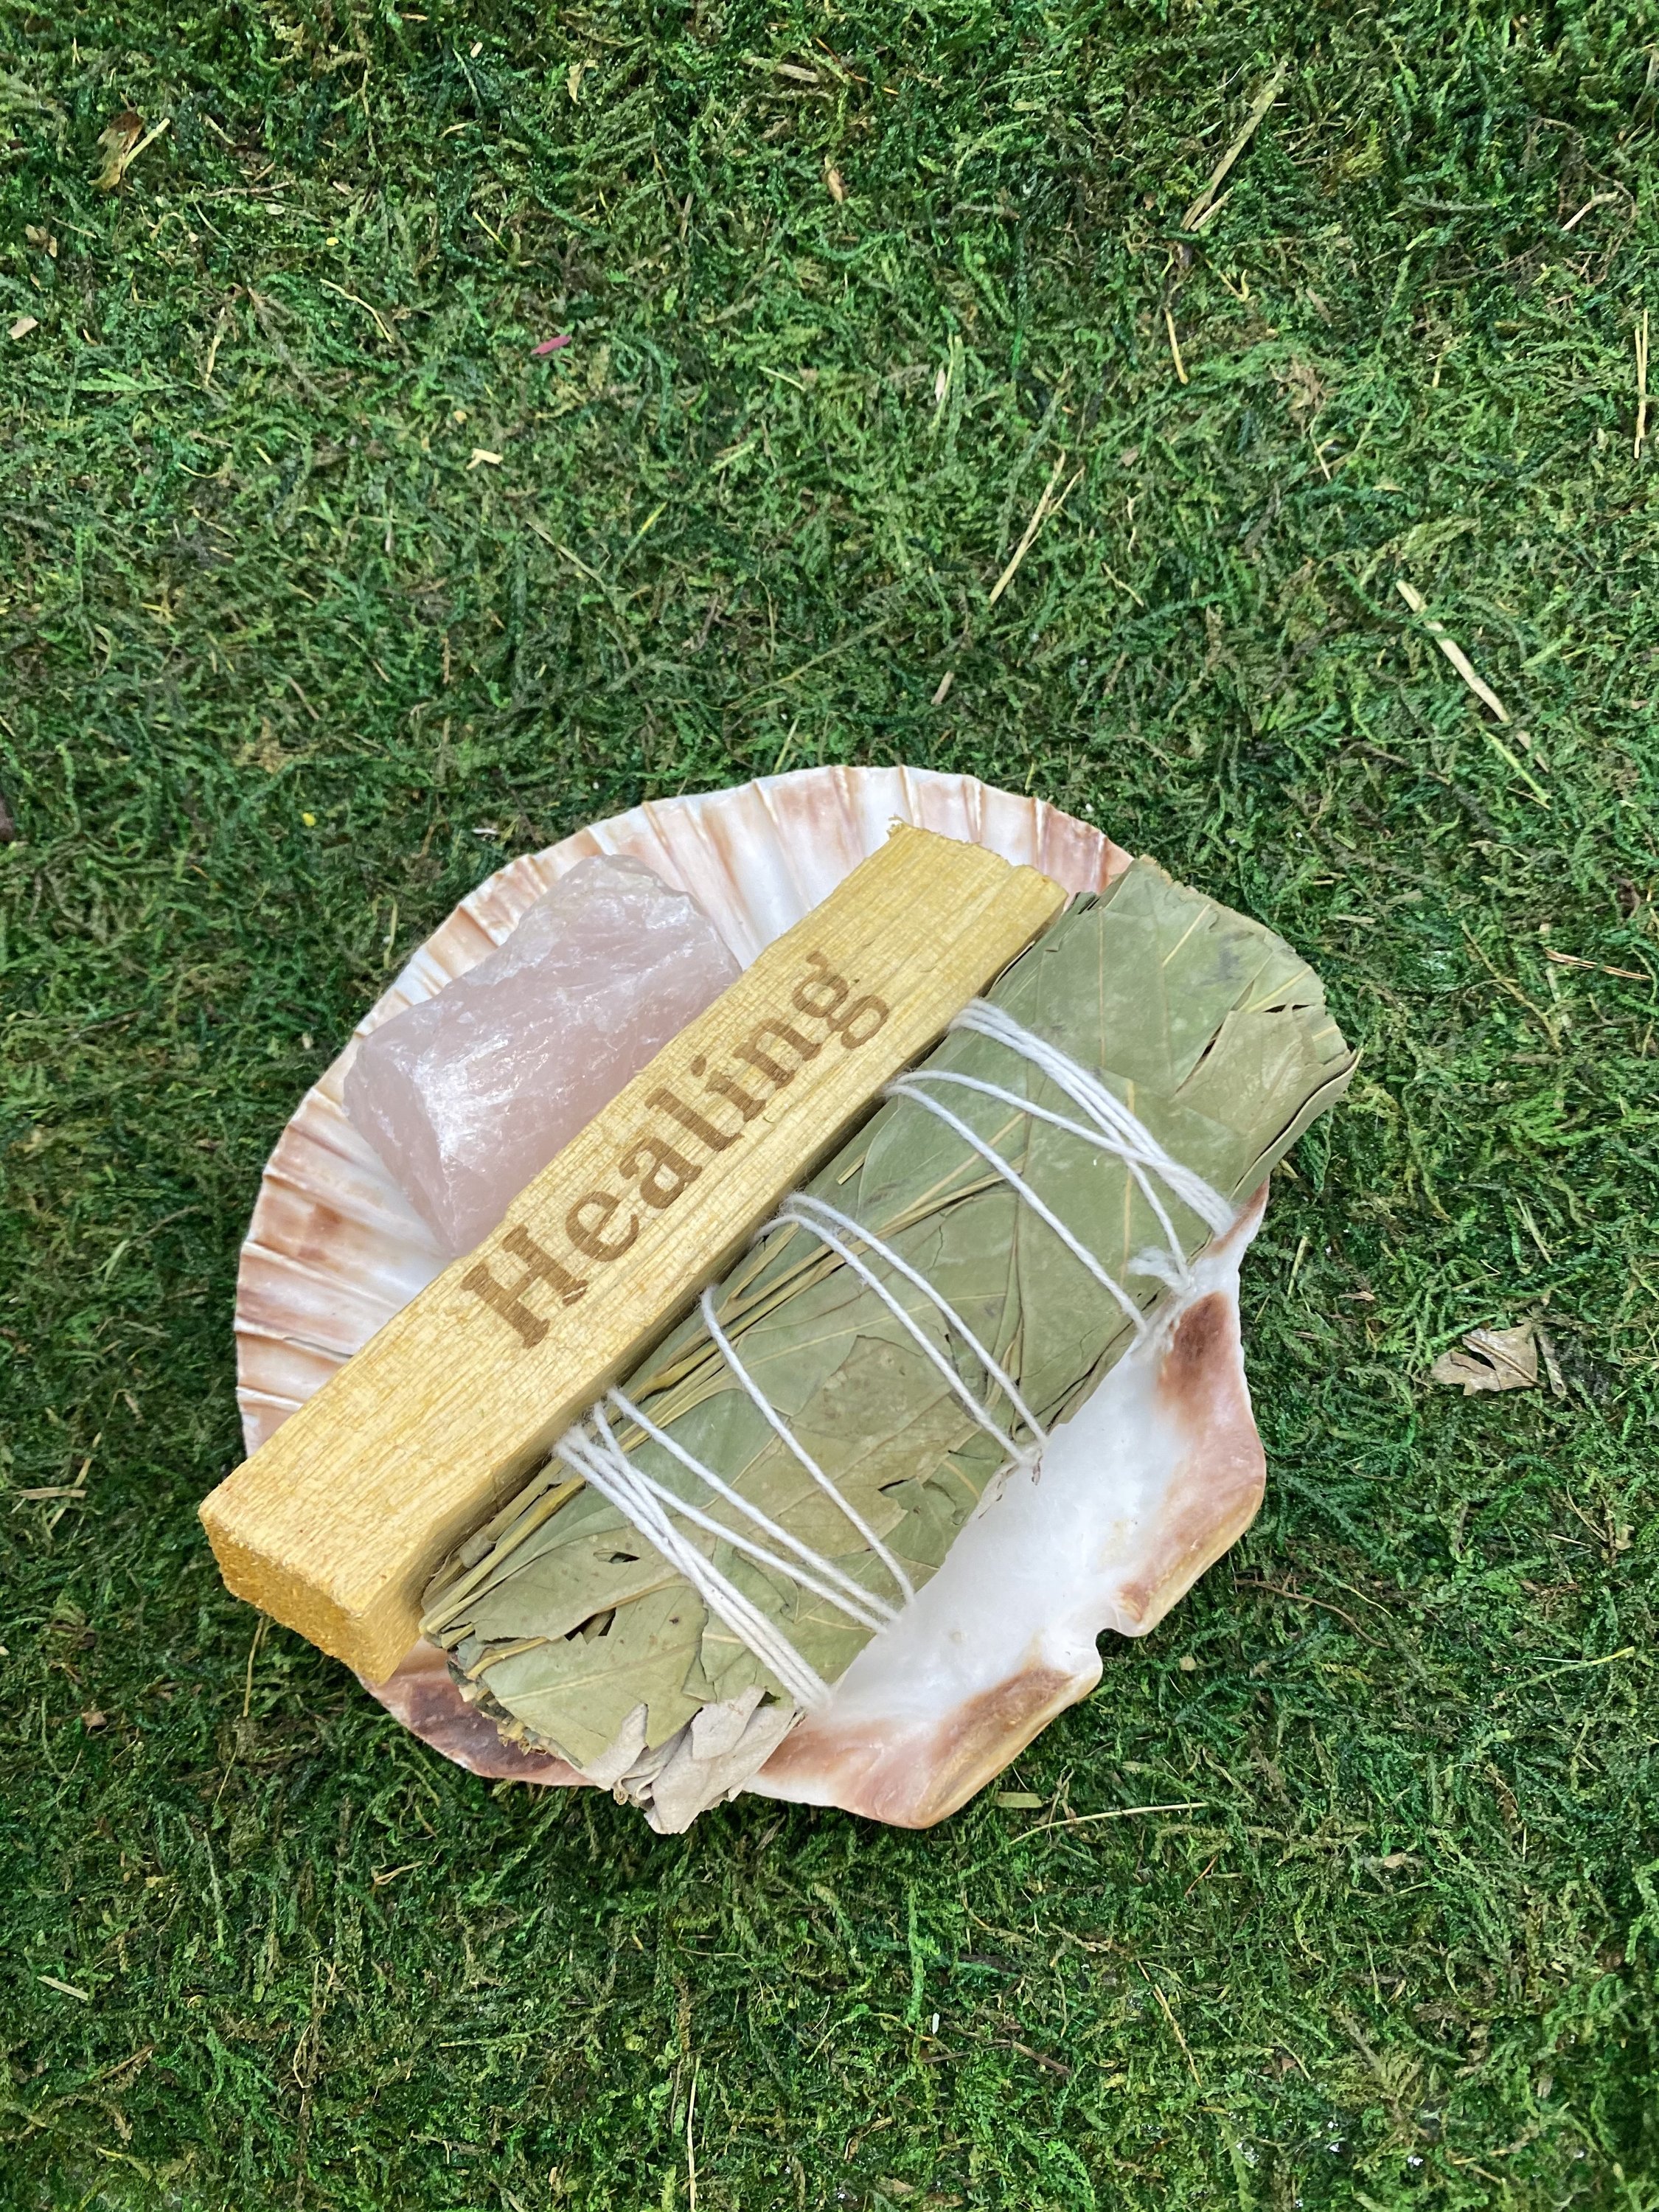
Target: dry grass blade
1558,1381
373,313
1600,199
1264,100
1508,985
793,70
1113,1812
1046,506
1175,2025
1181,376
691,2144
1477,684
1597,966
1453,652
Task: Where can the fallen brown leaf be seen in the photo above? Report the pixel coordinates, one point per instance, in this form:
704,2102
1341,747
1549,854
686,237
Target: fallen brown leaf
122,143
1492,1359
116,145
22,326
832,178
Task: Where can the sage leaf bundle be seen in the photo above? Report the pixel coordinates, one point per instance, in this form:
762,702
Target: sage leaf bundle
572,1631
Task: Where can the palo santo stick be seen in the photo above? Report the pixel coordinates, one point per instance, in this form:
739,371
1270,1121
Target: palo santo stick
336,1524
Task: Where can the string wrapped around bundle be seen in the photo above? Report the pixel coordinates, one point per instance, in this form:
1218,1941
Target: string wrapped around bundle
702,1558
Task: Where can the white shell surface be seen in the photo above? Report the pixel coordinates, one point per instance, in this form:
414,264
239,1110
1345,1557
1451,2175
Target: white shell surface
334,1249
1148,1482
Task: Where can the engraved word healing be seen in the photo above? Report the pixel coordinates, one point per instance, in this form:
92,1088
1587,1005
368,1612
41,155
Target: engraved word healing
659,1163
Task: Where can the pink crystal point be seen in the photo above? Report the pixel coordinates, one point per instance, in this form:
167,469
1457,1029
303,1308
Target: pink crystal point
468,1095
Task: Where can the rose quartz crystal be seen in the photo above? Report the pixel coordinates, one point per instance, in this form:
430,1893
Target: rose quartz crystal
469,1094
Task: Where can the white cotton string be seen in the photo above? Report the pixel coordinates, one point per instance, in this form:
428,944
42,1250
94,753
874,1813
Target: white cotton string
1116,1130
607,1468
1109,1145
906,1088
1114,1119
838,1588
803,1202
824,1221
768,1412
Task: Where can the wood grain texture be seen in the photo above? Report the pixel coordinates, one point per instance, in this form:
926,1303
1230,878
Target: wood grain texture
336,1524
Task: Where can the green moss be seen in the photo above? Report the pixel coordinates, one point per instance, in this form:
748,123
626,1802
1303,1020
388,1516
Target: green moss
291,667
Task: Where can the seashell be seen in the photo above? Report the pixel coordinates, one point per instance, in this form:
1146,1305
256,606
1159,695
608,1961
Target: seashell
1146,1486
1152,1480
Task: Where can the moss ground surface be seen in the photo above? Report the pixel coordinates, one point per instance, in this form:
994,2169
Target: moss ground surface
324,591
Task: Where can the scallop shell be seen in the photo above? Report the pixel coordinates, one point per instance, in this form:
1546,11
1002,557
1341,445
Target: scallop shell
1146,1486
334,1249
